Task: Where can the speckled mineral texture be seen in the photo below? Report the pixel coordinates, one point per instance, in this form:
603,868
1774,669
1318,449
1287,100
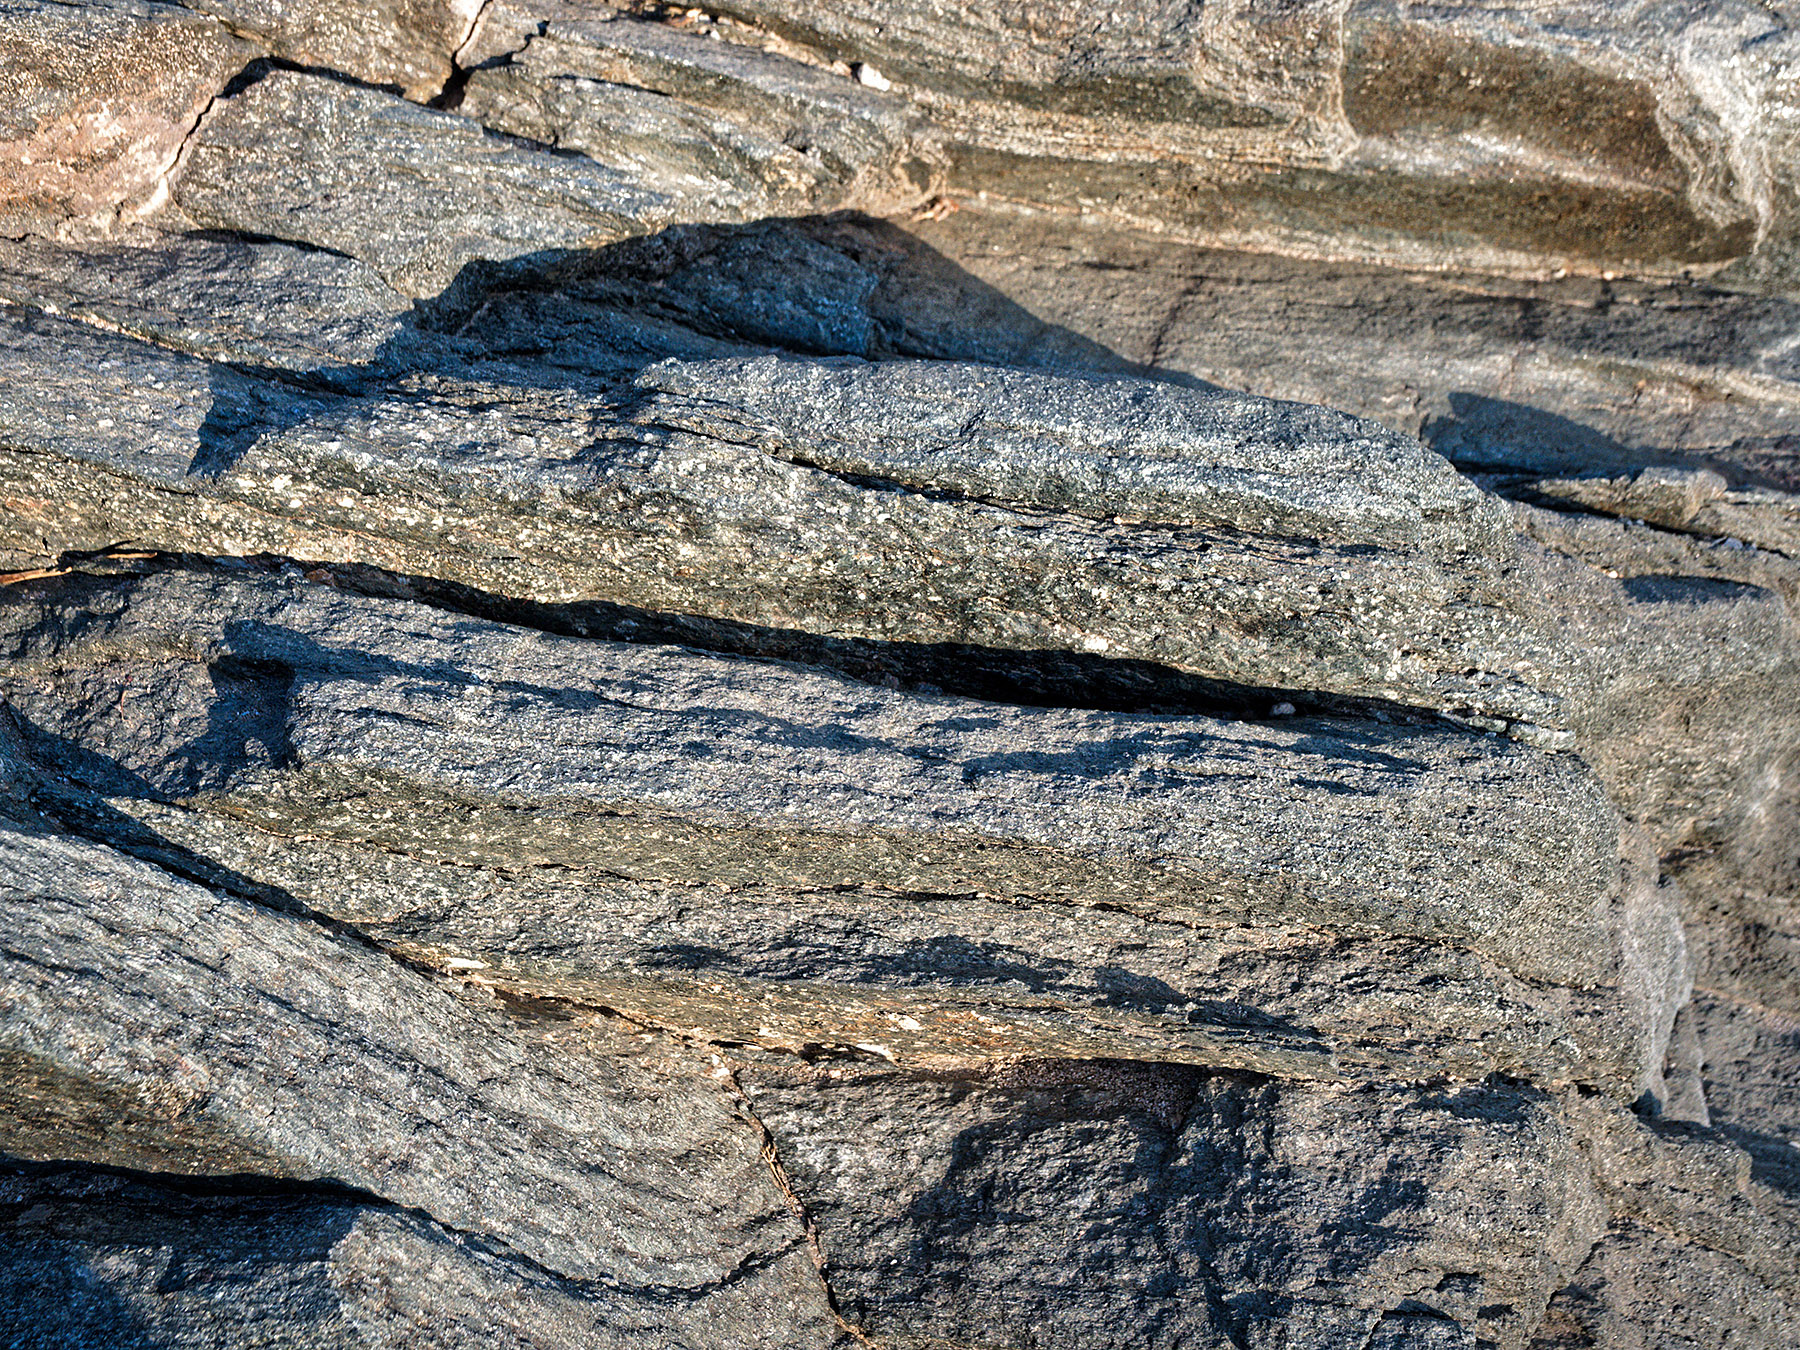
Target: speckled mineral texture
1012,676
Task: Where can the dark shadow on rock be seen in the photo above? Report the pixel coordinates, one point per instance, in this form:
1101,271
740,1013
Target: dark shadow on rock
1689,591
1515,444
1130,990
1011,1171
837,285
975,964
74,1236
1494,435
246,708
52,1294
1773,1160
1033,678
1496,1101
840,285
66,787
1050,678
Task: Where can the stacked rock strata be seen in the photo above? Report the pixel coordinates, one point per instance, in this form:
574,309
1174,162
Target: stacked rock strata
1006,675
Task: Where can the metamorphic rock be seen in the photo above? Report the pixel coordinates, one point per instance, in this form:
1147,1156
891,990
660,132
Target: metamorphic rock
1004,675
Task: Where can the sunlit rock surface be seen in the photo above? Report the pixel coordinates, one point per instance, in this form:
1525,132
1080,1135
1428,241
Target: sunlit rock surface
899,674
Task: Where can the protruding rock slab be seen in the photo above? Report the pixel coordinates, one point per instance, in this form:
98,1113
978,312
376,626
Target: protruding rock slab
1273,547
1269,552
96,102
153,1023
412,191
739,132
698,497
386,740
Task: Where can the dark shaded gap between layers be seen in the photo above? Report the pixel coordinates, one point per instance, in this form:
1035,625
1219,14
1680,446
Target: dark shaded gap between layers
1029,678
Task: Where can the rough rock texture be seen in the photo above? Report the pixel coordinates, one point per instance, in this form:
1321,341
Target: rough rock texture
1567,377
410,44
934,800
1174,1181
1651,135
557,1165
107,1258
97,102
989,675
413,191
749,132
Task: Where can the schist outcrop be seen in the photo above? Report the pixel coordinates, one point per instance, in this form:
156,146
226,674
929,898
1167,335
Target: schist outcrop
1009,675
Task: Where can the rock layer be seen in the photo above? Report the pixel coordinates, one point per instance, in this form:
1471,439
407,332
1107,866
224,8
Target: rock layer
911,675
933,801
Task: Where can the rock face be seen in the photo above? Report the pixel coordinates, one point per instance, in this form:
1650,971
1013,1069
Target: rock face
995,675
411,45
99,102
1573,134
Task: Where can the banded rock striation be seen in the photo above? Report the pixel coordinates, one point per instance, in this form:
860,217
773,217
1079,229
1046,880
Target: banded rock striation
908,675
656,772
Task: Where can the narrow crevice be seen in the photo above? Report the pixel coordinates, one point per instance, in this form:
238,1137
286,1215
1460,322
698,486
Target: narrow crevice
196,1185
450,97
218,236
1515,485
1042,678
263,67
785,1187
164,189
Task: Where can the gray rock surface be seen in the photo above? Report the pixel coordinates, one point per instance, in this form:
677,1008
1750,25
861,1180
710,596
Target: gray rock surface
1649,136
109,1258
1254,545
1195,535
748,133
412,191
227,300
912,675
1570,377
1182,1176
1046,1184
215,1003
927,797
410,44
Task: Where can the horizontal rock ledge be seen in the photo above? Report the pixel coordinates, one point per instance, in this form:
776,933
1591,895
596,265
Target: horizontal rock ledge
361,729
671,504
